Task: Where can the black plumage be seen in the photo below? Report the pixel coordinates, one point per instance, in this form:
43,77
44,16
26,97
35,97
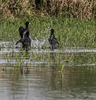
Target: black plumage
24,34
26,42
23,30
52,40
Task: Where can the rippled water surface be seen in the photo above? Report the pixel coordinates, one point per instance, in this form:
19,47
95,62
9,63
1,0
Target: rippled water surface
44,74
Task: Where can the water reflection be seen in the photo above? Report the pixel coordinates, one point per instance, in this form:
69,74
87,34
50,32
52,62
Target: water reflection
48,84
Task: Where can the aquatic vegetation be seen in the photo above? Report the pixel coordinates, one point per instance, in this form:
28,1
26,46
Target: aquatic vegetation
49,58
70,32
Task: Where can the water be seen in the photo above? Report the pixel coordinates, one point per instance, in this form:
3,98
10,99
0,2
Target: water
43,74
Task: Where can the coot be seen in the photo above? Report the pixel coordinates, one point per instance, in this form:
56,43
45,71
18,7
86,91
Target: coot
52,40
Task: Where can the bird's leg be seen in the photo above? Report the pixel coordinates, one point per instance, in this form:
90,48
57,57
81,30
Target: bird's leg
52,47
18,41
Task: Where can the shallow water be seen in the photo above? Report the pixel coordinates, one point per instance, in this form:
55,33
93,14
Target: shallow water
43,74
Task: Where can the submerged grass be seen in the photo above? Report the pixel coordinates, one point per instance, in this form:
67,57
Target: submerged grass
49,59
69,32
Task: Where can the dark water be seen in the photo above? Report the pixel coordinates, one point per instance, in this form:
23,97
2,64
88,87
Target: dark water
43,77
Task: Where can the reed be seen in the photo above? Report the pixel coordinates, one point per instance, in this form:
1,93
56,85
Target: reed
69,8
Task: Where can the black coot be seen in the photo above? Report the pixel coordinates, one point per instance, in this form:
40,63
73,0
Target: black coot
23,30
24,34
52,40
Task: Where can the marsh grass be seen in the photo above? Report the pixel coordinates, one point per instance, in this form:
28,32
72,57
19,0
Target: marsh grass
52,60
69,32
